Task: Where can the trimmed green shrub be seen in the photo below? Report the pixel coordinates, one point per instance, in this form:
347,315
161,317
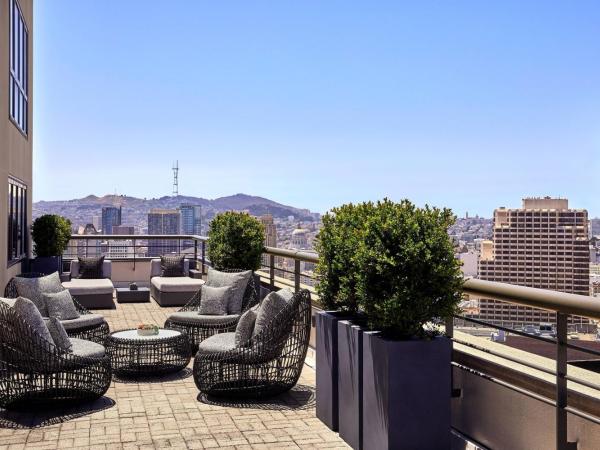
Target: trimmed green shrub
236,241
409,275
338,268
51,234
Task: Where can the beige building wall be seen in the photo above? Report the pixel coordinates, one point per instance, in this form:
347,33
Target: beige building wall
15,148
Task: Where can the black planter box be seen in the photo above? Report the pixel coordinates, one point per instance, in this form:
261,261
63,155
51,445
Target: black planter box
406,393
350,349
47,264
327,367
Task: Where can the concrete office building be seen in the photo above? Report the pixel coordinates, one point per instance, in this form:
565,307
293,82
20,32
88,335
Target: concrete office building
544,245
270,236
16,134
111,216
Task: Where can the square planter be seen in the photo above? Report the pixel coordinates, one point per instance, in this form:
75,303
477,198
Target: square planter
350,349
47,264
406,393
327,367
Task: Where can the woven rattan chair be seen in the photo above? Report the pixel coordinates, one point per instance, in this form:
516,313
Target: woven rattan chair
96,332
34,372
269,365
198,328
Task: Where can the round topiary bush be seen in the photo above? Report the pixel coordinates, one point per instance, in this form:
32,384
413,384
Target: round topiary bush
51,234
236,241
409,275
338,268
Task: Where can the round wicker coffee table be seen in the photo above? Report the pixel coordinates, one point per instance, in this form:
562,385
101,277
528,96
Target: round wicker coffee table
135,355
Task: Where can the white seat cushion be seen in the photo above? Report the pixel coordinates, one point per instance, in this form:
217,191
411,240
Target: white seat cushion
177,284
83,321
79,286
193,318
87,349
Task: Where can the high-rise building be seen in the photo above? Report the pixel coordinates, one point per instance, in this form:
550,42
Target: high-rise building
163,221
270,235
16,134
191,219
595,226
111,216
544,245
123,229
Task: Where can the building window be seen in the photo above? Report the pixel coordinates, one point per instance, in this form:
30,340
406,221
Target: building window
19,62
17,220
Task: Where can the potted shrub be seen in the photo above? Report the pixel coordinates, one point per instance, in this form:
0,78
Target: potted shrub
51,234
409,280
337,352
236,241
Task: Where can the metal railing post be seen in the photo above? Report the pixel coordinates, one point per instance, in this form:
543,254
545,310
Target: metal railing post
272,271
562,442
203,256
296,275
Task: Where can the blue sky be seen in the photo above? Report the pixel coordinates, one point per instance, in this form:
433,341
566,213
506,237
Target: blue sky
470,105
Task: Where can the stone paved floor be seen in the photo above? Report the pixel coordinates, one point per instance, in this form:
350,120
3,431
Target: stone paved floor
167,413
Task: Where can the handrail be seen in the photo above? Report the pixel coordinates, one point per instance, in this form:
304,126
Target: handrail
121,237
561,302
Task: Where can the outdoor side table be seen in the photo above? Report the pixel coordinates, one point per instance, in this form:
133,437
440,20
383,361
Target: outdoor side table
126,295
135,355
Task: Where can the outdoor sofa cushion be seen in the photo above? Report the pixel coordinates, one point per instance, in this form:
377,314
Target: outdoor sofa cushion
156,270
87,349
271,305
214,300
59,334
220,342
177,284
33,288
245,327
106,268
237,280
79,286
193,318
172,266
27,311
83,321
60,305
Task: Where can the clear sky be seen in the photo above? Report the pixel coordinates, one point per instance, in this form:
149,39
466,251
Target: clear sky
470,105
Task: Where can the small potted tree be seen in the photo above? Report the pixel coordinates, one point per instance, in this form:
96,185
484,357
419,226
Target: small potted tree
236,241
338,276
51,234
410,280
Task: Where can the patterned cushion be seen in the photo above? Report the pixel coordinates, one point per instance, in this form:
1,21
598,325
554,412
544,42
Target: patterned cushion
220,342
214,300
193,318
28,313
59,334
83,321
61,306
245,327
91,268
32,288
271,305
87,349
237,280
172,266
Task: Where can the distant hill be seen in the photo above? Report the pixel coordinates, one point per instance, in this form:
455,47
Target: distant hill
135,210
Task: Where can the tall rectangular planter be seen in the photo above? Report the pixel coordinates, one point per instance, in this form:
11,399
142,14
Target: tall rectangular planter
327,367
350,351
406,393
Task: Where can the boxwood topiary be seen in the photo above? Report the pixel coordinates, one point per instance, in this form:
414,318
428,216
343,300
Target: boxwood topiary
51,234
236,241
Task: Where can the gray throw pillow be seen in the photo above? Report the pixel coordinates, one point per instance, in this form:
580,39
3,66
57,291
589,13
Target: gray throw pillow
271,305
59,335
90,268
237,280
33,288
30,315
245,327
61,306
172,266
214,300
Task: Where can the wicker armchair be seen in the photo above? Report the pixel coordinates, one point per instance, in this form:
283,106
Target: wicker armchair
34,372
269,365
198,328
95,332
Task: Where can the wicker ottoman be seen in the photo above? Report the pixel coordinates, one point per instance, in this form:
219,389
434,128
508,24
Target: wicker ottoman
135,355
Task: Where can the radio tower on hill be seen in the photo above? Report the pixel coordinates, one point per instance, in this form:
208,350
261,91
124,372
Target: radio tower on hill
176,178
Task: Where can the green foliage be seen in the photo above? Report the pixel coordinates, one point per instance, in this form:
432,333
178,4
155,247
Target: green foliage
51,234
236,241
393,261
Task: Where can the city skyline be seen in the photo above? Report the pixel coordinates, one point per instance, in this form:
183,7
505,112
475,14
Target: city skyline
462,106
